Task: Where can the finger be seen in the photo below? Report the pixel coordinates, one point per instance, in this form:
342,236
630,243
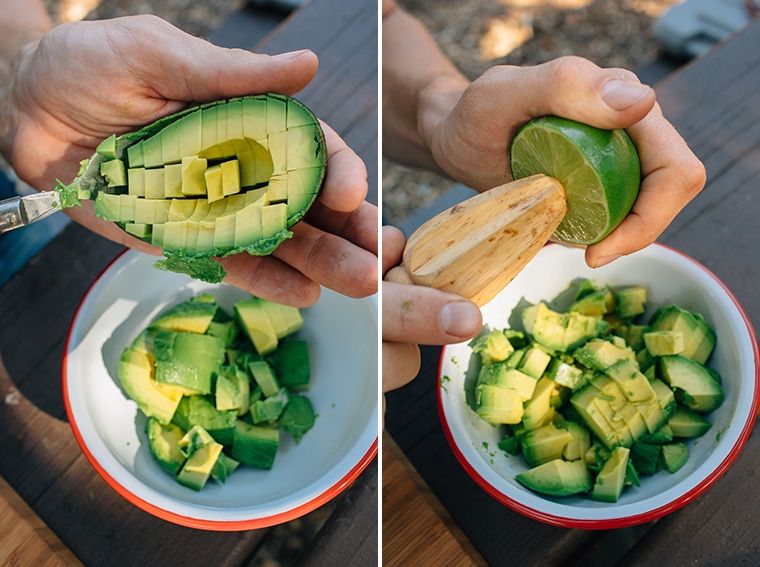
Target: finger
672,177
269,278
345,186
393,247
201,71
330,260
359,226
575,88
421,315
401,363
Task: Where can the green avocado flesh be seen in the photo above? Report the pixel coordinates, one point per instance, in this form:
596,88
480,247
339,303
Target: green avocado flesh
212,399
210,181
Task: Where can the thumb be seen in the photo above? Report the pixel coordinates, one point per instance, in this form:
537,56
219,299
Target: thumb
575,88
192,69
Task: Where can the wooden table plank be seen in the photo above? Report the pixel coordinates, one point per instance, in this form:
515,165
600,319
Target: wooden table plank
417,530
24,538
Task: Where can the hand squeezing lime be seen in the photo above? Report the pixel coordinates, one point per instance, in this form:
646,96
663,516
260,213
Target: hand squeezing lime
599,170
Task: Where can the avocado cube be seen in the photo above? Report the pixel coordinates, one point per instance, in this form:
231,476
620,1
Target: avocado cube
674,456
253,320
195,438
293,365
302,147
227,396
193,176
230,177
557,478
268,410
492,347
224,467
544,444
213,177
173,181
163,442
188,359
661,343
255,118
198,410
135,155
136,375
274,219
255,445
645,457
610,481
152,151
191,316
114,172
498,405
140,230
694,386
107,206
136,181
248,224
277,112
298,417
197,470
189,134
264,375
107,148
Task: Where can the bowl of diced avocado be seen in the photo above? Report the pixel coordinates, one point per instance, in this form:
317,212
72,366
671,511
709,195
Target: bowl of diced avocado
215,409
603,398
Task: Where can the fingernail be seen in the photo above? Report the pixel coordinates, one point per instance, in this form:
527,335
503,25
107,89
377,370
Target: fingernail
620,95
460,318
607,260
290,54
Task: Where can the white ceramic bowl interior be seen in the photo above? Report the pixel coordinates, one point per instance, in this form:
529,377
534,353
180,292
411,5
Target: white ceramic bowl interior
342,334
671,277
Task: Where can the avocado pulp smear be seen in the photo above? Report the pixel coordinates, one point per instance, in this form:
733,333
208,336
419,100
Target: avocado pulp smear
210,181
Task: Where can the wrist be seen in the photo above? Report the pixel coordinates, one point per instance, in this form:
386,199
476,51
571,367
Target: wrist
11,71
435,102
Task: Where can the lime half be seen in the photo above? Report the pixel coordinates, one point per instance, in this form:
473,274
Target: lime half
599,170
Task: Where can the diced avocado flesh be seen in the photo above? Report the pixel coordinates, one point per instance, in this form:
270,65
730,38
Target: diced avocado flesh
209,393
163,442
643,390
255,445
558,478
610,481
695,387
269,146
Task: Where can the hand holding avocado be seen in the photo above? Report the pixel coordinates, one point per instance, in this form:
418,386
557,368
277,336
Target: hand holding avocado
76,84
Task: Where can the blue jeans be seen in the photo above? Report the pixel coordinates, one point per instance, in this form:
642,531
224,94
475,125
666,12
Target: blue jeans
19,246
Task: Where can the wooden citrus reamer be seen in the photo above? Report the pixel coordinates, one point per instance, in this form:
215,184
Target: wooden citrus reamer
475,248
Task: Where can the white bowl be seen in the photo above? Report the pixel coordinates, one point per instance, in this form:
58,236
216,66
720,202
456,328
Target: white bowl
671,277
342,336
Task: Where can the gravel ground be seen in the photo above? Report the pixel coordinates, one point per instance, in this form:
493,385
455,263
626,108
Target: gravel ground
481,33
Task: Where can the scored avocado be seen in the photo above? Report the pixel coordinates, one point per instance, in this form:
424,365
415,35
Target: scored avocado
254,165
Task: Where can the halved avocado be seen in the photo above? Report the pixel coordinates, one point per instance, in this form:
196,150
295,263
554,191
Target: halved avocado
210,181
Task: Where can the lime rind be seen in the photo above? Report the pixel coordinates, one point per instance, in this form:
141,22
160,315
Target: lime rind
599,170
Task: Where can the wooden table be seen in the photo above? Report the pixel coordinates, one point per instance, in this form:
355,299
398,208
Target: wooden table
715,104
61,508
